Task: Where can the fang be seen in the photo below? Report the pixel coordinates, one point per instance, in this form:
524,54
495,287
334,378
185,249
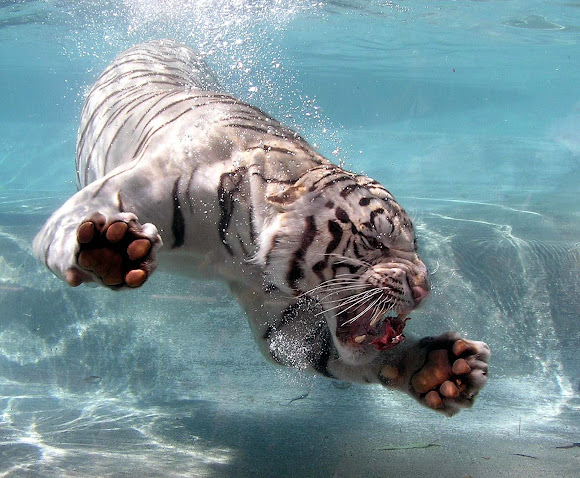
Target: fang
359,339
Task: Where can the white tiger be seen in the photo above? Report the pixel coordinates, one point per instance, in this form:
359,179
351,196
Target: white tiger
317,256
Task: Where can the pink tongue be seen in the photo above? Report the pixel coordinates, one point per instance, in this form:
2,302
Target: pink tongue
392,336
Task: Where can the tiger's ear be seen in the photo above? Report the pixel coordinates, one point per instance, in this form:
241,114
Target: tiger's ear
286,197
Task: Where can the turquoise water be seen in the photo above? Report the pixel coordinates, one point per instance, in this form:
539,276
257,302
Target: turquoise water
468,111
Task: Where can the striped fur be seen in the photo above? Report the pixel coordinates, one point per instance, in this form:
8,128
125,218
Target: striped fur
312,252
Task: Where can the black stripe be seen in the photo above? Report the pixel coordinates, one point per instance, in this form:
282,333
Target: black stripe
318,269
272,128
274,180
151,108
342,215
336,180
322,340
298,143
349,189
296,273
253,234
178,223
134,103
336,232
133,75
253,128
226,205
268,149
242,246
106,181
82,136
246,116
151,133
353,269
356,251
328,172
375,213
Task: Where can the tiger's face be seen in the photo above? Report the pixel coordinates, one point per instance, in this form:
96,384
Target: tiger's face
343,240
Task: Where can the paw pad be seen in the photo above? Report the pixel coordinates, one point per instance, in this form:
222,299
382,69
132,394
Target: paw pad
452,375
117,252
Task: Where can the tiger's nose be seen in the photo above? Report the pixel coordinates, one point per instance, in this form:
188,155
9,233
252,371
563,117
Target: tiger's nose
420,287
420,293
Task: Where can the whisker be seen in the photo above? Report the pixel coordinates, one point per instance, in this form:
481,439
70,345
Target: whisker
345,275
349,259
348,285
386,298
360,314
332,288
386,305
377,315
342,281
339,278
342,277
383,306
335,292
354,301
347,299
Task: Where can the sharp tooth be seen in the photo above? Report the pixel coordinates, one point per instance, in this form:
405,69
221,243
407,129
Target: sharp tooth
359,339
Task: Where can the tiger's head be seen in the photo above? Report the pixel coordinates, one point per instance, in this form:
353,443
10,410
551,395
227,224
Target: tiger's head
343,240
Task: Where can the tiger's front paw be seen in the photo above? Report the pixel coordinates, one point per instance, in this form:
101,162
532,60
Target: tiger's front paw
116,251
448,378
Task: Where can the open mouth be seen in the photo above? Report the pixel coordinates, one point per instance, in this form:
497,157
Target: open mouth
370,328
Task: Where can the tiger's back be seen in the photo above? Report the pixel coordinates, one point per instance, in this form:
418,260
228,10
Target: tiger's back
135,88
156,87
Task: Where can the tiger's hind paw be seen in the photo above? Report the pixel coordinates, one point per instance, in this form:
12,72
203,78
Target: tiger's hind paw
118,251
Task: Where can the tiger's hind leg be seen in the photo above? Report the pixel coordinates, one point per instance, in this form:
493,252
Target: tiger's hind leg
116,251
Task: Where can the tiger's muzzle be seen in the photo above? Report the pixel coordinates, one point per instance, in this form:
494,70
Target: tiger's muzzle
390,292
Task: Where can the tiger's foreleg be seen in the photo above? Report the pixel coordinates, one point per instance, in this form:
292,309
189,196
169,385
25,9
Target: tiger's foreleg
92,239
443,373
